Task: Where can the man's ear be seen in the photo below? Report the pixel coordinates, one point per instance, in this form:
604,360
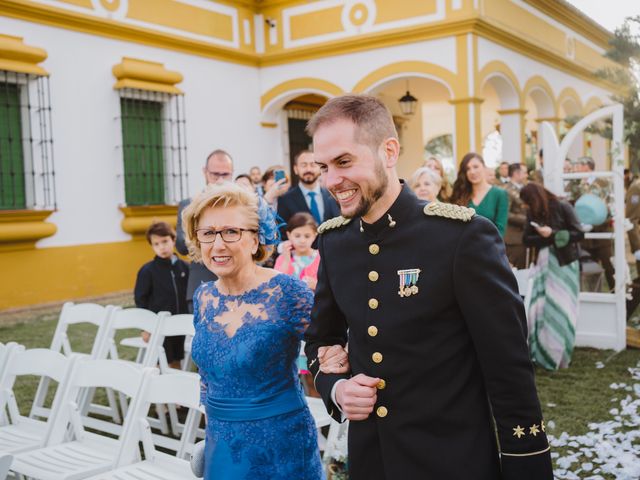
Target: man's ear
391,151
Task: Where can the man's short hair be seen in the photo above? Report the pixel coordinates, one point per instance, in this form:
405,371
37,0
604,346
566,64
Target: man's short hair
371,117
217,151
588,161
513,168
161,229
299,154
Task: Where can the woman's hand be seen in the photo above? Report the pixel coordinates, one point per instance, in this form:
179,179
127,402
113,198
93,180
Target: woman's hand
276,190
544,232
334,359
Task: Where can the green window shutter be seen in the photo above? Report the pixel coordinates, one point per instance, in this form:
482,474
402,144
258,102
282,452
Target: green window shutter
142,147
12,182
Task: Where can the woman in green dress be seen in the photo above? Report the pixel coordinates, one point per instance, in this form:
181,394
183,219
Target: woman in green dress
471,189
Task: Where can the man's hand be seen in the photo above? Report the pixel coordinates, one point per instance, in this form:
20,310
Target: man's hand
357,396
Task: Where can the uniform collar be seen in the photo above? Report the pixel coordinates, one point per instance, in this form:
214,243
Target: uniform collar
397,214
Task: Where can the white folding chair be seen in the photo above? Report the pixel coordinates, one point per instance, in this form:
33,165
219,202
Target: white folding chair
182,389
173,325
122,319
4,351
320,416
88,453
76,314
5,464
336,444
25,433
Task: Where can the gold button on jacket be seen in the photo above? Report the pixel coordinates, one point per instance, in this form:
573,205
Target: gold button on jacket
376,357
373,276
382,412
373,303
374,249
381,384
372,330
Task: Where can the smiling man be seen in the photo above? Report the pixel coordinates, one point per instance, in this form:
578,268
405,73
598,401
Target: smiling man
426,300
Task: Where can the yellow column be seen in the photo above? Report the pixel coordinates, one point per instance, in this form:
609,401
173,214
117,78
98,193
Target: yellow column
467,135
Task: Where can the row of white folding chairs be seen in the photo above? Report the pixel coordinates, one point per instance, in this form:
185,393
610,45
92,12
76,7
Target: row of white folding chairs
60,447
108,321
44,449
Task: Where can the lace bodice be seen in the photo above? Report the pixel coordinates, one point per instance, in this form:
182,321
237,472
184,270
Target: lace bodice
246,345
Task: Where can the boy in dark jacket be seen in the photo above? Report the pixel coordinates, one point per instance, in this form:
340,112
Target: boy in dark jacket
162,284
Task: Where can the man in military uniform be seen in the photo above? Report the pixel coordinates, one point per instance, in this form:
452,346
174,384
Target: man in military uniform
516,251
426,300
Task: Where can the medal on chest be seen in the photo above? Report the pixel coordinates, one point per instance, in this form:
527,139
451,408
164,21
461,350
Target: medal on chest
408,282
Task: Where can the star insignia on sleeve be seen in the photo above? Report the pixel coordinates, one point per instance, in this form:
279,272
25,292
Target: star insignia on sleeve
518,431
542,426
534,430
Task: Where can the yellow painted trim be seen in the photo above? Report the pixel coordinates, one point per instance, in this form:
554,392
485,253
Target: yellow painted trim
453,83
268,124
306,83
498,67
538,82
144,75
510,111
21,229
568,93
137,220
56,274
592,104
15,56
487,29
573,18
91,24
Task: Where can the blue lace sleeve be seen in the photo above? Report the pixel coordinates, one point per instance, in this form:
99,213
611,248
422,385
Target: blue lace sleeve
299,299
196,321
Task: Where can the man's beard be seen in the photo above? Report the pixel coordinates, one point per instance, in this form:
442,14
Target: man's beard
367,200
309,182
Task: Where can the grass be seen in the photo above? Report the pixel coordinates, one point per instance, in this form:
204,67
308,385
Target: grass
571,398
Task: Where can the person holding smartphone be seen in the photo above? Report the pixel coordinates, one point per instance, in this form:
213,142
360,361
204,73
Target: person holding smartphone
275,184
553,228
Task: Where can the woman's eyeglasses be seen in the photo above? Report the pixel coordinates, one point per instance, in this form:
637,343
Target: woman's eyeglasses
229,235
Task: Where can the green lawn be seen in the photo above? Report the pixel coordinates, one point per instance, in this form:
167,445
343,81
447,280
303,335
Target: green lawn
571,399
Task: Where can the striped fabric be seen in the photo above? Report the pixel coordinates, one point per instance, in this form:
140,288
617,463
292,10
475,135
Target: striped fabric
553,311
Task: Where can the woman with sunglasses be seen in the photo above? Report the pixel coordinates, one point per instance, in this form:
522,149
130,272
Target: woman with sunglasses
249,324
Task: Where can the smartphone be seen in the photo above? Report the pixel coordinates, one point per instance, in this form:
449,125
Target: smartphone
534,224
278,175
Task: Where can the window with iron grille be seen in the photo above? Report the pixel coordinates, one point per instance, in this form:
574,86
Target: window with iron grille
153,147
26,145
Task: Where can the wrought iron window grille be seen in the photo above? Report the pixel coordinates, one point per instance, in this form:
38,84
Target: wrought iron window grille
27,174
153,145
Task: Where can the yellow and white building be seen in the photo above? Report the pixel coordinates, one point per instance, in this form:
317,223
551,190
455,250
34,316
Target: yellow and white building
108,108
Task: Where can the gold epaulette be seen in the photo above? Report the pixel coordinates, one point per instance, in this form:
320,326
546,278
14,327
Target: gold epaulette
448,210
332,223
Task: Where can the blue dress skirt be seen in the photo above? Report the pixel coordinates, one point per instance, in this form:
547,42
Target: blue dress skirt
246,346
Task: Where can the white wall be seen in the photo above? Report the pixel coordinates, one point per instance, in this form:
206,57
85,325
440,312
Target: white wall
222,111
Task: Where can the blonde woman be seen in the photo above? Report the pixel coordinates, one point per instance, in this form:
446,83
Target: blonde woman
446,190
426,184
249,324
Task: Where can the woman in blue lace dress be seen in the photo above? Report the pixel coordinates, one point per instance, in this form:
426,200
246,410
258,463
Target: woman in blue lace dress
248,324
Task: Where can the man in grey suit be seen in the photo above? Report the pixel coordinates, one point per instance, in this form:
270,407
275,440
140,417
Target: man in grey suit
218,169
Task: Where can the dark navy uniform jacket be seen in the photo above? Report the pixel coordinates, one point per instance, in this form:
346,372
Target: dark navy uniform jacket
457,400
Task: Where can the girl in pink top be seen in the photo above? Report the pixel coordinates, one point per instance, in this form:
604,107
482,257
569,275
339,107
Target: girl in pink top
298,258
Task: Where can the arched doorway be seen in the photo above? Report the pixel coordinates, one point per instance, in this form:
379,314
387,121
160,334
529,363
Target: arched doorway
433,118
298,112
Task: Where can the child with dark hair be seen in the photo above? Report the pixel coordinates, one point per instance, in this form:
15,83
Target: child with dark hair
161,285
298,258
